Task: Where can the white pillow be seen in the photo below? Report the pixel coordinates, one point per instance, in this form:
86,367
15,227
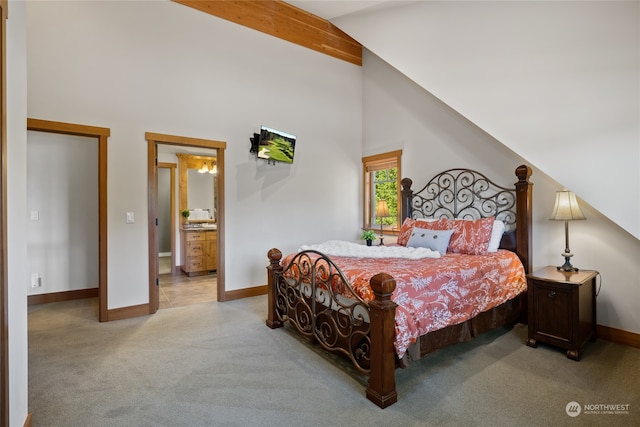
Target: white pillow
436,240
427,219
496,236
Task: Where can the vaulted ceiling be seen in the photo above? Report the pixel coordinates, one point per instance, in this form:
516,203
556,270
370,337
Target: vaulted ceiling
555,82
332,9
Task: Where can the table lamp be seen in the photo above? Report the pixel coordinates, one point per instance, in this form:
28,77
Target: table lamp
566,209
382,211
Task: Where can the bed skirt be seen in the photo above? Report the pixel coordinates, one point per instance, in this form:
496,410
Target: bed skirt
507,313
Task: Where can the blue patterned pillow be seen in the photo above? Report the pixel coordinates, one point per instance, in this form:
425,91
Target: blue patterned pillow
436,240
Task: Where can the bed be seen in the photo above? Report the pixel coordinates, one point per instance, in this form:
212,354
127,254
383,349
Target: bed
382,310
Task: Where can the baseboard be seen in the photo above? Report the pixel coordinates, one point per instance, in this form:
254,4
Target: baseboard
128,312
245,293
62,296
27,422
618,336
606,333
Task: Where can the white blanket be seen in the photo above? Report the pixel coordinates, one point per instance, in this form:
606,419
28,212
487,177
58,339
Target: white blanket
350,249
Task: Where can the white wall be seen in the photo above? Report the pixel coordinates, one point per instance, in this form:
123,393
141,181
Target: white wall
62,190
400,114
17,205
557,82
165,68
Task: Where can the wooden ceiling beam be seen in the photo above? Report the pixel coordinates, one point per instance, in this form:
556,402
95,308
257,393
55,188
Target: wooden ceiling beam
287,22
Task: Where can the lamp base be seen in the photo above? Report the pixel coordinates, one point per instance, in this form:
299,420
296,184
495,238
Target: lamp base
567,264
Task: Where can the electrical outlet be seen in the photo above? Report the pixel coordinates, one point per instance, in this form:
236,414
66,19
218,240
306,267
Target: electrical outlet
35,280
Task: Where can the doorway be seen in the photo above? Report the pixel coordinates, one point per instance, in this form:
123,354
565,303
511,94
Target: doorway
62,205
153,140
101,134
176,287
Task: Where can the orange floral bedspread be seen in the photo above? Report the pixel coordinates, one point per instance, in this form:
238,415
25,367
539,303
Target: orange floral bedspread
434,293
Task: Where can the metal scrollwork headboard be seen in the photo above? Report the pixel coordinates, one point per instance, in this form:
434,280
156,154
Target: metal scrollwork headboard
464,194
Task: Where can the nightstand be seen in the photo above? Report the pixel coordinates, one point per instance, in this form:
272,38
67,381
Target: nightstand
562,309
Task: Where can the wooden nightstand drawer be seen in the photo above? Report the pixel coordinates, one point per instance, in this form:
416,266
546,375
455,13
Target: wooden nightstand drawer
552,306
562,309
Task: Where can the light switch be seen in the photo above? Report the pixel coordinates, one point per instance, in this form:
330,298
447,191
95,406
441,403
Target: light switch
34,215
130,218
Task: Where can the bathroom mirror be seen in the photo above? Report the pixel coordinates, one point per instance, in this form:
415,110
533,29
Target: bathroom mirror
197,186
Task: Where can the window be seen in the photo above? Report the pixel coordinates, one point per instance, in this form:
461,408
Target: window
382,184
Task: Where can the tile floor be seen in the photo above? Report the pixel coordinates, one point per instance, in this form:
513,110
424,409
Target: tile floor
178,289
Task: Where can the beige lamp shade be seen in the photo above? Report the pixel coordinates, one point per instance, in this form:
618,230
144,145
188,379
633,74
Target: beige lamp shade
382,209
566,207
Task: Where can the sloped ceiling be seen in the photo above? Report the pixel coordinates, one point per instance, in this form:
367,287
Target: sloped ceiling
556,82
332,9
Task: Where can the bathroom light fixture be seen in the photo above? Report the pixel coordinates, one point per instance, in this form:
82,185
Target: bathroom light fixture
205,168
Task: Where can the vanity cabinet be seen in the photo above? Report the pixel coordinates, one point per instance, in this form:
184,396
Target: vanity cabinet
198,251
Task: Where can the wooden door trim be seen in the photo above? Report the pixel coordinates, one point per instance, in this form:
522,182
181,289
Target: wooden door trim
101,134
153,139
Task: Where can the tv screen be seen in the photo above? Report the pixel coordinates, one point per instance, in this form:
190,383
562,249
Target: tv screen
276,145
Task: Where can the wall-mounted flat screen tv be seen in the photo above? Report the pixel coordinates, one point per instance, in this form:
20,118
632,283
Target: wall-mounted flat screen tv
276,145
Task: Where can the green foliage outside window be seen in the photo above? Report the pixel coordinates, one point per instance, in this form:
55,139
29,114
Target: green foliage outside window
385,187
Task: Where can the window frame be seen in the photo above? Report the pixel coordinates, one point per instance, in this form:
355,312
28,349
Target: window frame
371,164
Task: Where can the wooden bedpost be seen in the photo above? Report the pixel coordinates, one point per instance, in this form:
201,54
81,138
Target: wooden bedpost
407,196
382,380
524,219
274,267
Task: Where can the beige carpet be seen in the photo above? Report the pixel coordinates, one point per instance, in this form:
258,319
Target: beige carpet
217,364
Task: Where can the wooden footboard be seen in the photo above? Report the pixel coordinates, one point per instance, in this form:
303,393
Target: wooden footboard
314,296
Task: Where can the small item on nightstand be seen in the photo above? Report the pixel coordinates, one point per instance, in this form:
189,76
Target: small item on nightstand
368,236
